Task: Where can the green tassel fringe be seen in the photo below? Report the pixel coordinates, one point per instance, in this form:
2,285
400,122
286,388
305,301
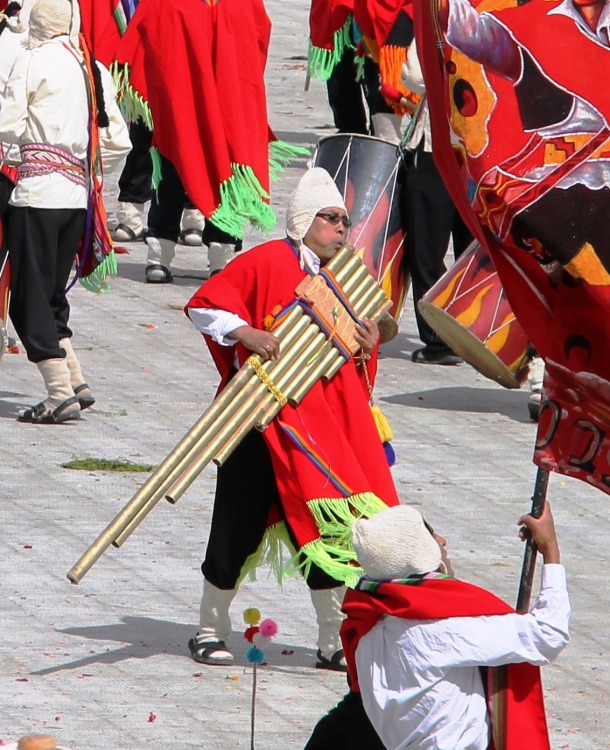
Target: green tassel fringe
333,551
270,552
243,201
157,166
133,106
281,154
97,281
321,62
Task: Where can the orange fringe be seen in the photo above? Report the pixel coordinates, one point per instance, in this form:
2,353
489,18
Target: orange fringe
391,59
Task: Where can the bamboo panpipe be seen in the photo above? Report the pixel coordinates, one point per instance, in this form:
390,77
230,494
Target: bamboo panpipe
157,480
240,423
300,332
306,355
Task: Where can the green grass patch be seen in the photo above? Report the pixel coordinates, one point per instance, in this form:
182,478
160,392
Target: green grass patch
105,464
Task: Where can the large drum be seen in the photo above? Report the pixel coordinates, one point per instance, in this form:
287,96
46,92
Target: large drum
367,171
468,309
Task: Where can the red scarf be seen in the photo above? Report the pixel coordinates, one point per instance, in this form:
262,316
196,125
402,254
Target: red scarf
514,692
325,451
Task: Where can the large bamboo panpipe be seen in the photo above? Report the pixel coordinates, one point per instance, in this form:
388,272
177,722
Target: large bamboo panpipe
250,400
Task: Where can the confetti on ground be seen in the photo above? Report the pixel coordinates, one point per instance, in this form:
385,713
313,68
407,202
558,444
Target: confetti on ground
27,546
22,679
152,717
13,350
120,250
198,674
287,652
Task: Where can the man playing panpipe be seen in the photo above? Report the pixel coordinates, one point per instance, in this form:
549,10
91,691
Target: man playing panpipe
436,662
317,466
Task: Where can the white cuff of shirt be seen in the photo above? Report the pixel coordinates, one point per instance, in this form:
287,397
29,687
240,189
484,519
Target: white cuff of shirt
553,576
216,323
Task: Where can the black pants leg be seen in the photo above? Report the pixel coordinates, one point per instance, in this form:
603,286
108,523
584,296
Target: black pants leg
430,217
166,204
345,97
135,182
346,727
42,246
245,491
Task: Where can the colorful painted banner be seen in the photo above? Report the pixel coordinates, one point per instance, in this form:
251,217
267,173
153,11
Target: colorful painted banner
521,133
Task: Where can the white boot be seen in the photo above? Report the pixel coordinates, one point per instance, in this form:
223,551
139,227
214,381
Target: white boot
80,387
61,404
219,254
192,225
131,222
327,603
535,379
210,644
158,260
387,127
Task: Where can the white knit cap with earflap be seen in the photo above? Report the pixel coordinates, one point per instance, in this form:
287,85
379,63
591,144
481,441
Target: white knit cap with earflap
315,191
48,19
394,543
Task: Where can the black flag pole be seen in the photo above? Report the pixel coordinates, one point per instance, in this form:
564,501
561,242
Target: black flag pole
529,557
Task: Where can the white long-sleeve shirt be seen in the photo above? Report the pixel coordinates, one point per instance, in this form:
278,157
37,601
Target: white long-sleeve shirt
45,101
420,680
219,324
12,41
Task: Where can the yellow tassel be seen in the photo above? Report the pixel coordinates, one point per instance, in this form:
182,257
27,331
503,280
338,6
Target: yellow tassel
382,424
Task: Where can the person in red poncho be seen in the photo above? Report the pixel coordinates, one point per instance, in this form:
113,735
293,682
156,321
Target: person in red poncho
317,466
427,653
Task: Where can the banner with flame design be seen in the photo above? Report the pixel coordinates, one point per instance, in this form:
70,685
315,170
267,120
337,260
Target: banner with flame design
523,142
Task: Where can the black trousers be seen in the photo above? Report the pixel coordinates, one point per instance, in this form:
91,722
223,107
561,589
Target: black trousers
135,182
245,491
346,727
345,95
166,207
42,246
431,219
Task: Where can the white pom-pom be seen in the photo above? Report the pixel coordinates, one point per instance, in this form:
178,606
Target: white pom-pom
260,641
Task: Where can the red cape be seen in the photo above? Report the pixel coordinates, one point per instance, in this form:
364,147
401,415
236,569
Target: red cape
520,706
200,68
333,421
100,28
326,17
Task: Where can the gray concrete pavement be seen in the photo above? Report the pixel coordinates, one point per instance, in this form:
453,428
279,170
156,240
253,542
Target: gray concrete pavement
93,664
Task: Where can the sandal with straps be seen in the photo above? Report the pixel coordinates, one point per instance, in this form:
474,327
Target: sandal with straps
43,414
210,652
336,663
84,395
124,233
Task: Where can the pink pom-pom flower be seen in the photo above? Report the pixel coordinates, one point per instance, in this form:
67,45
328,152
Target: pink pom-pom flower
268,628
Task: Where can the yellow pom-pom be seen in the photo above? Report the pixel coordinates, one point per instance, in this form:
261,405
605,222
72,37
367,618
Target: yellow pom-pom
252,616
382,424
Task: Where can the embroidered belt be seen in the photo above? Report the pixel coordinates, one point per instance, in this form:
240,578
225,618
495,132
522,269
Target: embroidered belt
39,159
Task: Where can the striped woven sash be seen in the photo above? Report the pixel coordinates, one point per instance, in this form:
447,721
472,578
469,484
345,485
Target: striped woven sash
39,159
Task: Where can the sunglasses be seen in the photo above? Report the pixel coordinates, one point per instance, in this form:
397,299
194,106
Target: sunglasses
334,218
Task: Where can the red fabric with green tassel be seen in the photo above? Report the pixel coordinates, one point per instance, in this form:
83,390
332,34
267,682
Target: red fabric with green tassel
200,70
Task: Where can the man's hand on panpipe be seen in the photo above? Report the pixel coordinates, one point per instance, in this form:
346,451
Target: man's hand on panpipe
259,342
368,336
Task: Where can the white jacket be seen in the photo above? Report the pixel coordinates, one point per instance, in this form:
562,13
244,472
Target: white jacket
45,101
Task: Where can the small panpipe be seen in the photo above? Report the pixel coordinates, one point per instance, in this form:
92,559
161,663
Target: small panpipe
316,335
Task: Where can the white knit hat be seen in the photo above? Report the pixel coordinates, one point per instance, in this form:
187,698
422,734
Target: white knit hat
395,543
316,190
48,19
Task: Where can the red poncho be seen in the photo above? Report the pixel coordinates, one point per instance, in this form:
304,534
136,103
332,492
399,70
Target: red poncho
197,69
514,691
329,463
516,140
100,28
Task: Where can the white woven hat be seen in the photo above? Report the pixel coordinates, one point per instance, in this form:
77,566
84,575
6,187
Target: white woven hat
48,19
316,190
395,543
